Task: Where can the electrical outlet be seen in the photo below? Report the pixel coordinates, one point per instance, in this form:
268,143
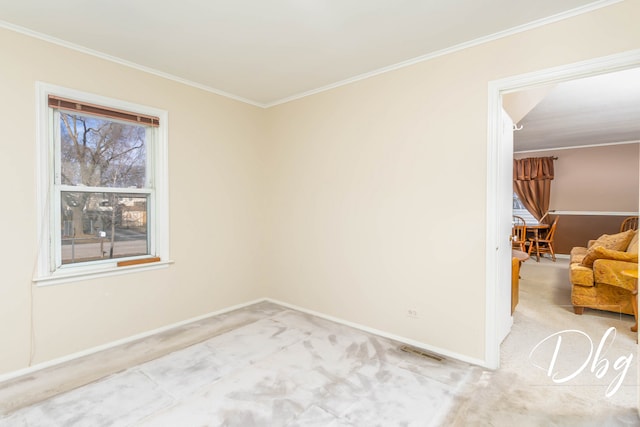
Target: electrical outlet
412,313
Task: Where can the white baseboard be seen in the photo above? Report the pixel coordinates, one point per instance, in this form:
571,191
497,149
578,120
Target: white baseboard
70,357
401,339
107,346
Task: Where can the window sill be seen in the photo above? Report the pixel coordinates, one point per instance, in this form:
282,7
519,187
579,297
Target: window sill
112,270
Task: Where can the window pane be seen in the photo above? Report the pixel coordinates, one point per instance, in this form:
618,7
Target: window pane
521,211
99,152
517,204
103,225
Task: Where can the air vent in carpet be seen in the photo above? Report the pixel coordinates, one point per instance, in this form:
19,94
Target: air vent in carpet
421,353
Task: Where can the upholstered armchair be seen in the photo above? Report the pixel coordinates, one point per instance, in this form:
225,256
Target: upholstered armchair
596,273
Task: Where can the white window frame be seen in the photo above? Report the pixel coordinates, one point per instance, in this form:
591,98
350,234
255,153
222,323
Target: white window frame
49,270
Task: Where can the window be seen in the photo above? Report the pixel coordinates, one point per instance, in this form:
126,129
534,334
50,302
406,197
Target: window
102,185
521,211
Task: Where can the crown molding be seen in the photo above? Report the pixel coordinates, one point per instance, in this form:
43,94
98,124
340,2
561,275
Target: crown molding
120,61
481,40
456,48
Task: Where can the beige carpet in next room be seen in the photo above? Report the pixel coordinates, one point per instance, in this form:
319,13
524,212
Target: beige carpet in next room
521,394
268,365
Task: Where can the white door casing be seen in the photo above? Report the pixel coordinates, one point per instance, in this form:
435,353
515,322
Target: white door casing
499,183
505,214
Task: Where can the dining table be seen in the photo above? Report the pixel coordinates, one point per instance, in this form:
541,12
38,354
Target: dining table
534,232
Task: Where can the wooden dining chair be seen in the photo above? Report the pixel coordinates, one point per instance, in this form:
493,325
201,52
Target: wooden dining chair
630,223
544,244
519,234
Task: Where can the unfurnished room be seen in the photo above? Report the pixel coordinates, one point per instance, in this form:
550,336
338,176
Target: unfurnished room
319,213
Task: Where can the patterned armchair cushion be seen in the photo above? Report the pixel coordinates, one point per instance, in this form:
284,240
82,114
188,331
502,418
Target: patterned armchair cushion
598,252
633,245
616,242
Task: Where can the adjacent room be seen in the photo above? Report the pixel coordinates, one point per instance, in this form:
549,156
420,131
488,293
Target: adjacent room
580,138
589,161
282,213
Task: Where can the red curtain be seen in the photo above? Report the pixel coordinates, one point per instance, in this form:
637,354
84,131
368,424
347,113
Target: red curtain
532,183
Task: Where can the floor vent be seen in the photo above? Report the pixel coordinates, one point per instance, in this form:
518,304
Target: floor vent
421,353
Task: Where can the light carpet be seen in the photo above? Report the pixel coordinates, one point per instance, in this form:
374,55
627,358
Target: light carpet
284,369
522,393
267,365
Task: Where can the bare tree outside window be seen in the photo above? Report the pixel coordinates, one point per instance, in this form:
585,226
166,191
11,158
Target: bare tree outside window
102,186
100,159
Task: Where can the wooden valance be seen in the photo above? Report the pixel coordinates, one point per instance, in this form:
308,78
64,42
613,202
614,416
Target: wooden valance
101,111
533,168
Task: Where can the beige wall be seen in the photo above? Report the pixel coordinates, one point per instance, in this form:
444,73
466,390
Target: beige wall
359,203
589,180
595,178
379,187
214,187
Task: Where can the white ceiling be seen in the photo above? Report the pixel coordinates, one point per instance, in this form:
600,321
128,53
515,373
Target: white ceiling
266,52
603,109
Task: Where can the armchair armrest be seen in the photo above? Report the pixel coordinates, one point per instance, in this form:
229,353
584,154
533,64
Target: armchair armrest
609,272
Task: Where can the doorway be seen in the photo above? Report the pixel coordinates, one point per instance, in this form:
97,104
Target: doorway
499,160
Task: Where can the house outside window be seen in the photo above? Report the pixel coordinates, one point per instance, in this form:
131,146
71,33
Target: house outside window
102,185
